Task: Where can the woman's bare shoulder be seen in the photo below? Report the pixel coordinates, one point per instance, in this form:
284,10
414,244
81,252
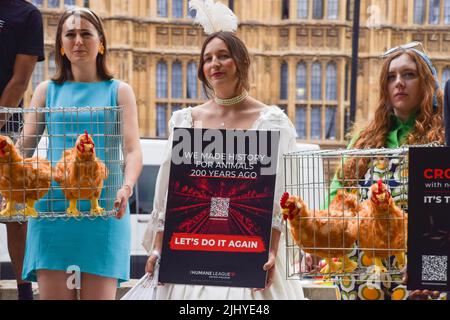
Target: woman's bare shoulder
201,110
257,106
39,96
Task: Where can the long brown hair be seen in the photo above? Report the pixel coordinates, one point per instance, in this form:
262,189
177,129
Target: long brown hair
63,65
239,54
428,126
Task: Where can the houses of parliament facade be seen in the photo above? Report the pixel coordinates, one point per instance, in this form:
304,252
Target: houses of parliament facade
301,54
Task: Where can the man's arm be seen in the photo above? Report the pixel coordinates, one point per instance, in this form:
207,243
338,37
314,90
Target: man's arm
15,88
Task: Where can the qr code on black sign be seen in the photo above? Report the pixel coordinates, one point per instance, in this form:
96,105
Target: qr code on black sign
219,207
434,268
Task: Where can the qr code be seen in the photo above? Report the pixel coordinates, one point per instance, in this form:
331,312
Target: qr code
434,268
219,207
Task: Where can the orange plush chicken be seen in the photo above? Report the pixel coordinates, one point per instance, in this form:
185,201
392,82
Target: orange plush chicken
21,180
383,227
327,233
80,174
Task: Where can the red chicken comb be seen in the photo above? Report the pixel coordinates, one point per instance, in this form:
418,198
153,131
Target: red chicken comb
87,138
380,184
84,141
375,193
283,200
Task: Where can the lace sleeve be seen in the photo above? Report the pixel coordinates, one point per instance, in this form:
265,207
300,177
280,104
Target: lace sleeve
156,222
276,119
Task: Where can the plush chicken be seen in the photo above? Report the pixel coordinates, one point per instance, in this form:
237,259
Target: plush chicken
80,174
22,180
327,233
383,227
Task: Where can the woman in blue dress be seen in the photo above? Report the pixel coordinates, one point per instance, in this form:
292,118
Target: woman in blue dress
98,250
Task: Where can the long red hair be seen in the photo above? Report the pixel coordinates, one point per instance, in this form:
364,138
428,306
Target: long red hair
428,126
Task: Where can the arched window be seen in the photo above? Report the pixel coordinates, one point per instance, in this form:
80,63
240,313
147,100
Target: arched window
38,75
302,9
68,3
162,8
161,120
285,9
419,11
161,80
177,80
434,9
300,121
445,76
191,80
284,81
447,12
330,123
53,3
300,90
316,81
177,8
333,9
51,65
331,91
317,9
316,122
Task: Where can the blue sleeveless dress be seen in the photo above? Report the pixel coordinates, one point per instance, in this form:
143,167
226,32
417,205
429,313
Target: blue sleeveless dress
96,246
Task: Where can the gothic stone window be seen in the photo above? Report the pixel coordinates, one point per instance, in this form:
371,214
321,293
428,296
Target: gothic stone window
284,81
162,8
161,80
302,9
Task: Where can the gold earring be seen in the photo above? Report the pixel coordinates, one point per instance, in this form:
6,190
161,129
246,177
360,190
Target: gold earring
62,51
101,49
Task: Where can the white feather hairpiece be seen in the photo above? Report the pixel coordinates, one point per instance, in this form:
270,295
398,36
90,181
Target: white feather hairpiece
213,16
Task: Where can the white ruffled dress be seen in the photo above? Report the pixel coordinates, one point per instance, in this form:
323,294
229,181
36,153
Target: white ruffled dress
271,118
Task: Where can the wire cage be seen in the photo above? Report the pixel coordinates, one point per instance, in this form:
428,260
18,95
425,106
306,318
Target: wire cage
346,212
64,162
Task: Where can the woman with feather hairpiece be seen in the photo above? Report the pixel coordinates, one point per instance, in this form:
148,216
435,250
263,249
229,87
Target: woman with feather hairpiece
223,70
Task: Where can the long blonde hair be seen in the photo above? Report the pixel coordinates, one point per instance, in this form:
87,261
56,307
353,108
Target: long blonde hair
428,126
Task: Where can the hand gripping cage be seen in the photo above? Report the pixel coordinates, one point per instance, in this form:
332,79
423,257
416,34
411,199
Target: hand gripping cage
348,222
60,162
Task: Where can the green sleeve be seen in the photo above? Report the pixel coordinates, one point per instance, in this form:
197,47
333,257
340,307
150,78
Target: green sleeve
335,183
334,187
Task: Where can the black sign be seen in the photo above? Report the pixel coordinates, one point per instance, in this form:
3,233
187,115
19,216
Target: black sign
219,207
429,218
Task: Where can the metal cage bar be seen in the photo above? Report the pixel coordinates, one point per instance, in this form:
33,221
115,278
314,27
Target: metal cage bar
25,172
326,233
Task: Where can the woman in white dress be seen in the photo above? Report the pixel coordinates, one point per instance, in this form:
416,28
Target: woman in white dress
223,70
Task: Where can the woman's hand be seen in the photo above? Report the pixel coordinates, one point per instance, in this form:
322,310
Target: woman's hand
151,263
150,266
270,267
421,294
424,295
122,196
311,264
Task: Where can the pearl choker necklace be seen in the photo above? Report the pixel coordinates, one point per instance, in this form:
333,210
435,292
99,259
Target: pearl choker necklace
232,101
